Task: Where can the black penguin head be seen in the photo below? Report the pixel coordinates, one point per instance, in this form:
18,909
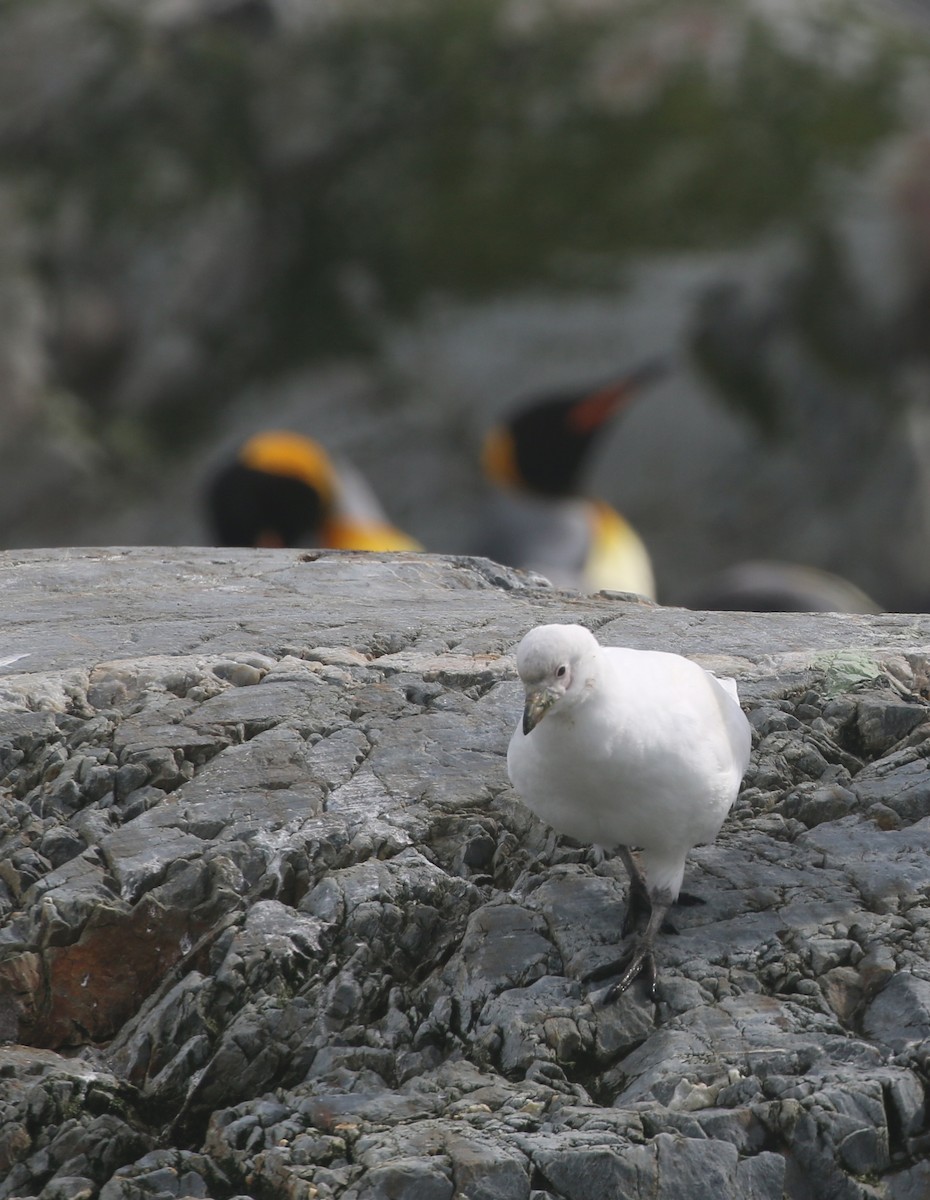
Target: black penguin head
277,493
253,508
544,445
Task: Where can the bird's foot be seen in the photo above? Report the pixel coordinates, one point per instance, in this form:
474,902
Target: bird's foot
637,960
604,971
689,900
639,957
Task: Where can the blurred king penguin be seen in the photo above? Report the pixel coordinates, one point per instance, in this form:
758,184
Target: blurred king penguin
284,490
539,519
772,586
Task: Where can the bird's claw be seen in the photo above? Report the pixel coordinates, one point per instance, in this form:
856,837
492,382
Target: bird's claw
604,971
640,961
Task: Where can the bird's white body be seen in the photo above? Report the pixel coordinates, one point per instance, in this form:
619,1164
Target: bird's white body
640,749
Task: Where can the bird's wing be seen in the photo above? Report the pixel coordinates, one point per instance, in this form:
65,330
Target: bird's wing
728,685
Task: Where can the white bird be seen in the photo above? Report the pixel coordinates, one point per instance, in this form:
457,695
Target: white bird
628,749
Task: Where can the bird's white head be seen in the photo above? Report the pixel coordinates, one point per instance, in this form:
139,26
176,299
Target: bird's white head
557,664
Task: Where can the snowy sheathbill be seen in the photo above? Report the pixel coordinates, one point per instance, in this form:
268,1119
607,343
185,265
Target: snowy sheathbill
633,749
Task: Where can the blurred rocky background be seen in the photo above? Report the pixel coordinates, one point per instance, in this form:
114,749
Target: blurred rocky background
382,223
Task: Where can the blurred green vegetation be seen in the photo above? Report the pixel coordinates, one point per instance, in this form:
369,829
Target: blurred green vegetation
391,152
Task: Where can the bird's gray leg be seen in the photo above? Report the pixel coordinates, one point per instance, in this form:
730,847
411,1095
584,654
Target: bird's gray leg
638,957
641,959
639,906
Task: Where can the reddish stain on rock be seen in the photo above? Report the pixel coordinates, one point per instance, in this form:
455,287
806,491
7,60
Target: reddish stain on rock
86,991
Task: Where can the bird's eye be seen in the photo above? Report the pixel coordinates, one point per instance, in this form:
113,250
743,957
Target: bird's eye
561,671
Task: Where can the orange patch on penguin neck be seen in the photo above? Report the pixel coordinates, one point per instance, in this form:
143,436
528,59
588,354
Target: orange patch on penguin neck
292,456
499,458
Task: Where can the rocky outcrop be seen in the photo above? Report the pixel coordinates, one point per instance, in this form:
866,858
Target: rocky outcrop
272,922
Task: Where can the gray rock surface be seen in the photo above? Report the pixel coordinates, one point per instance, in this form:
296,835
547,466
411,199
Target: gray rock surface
272,922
